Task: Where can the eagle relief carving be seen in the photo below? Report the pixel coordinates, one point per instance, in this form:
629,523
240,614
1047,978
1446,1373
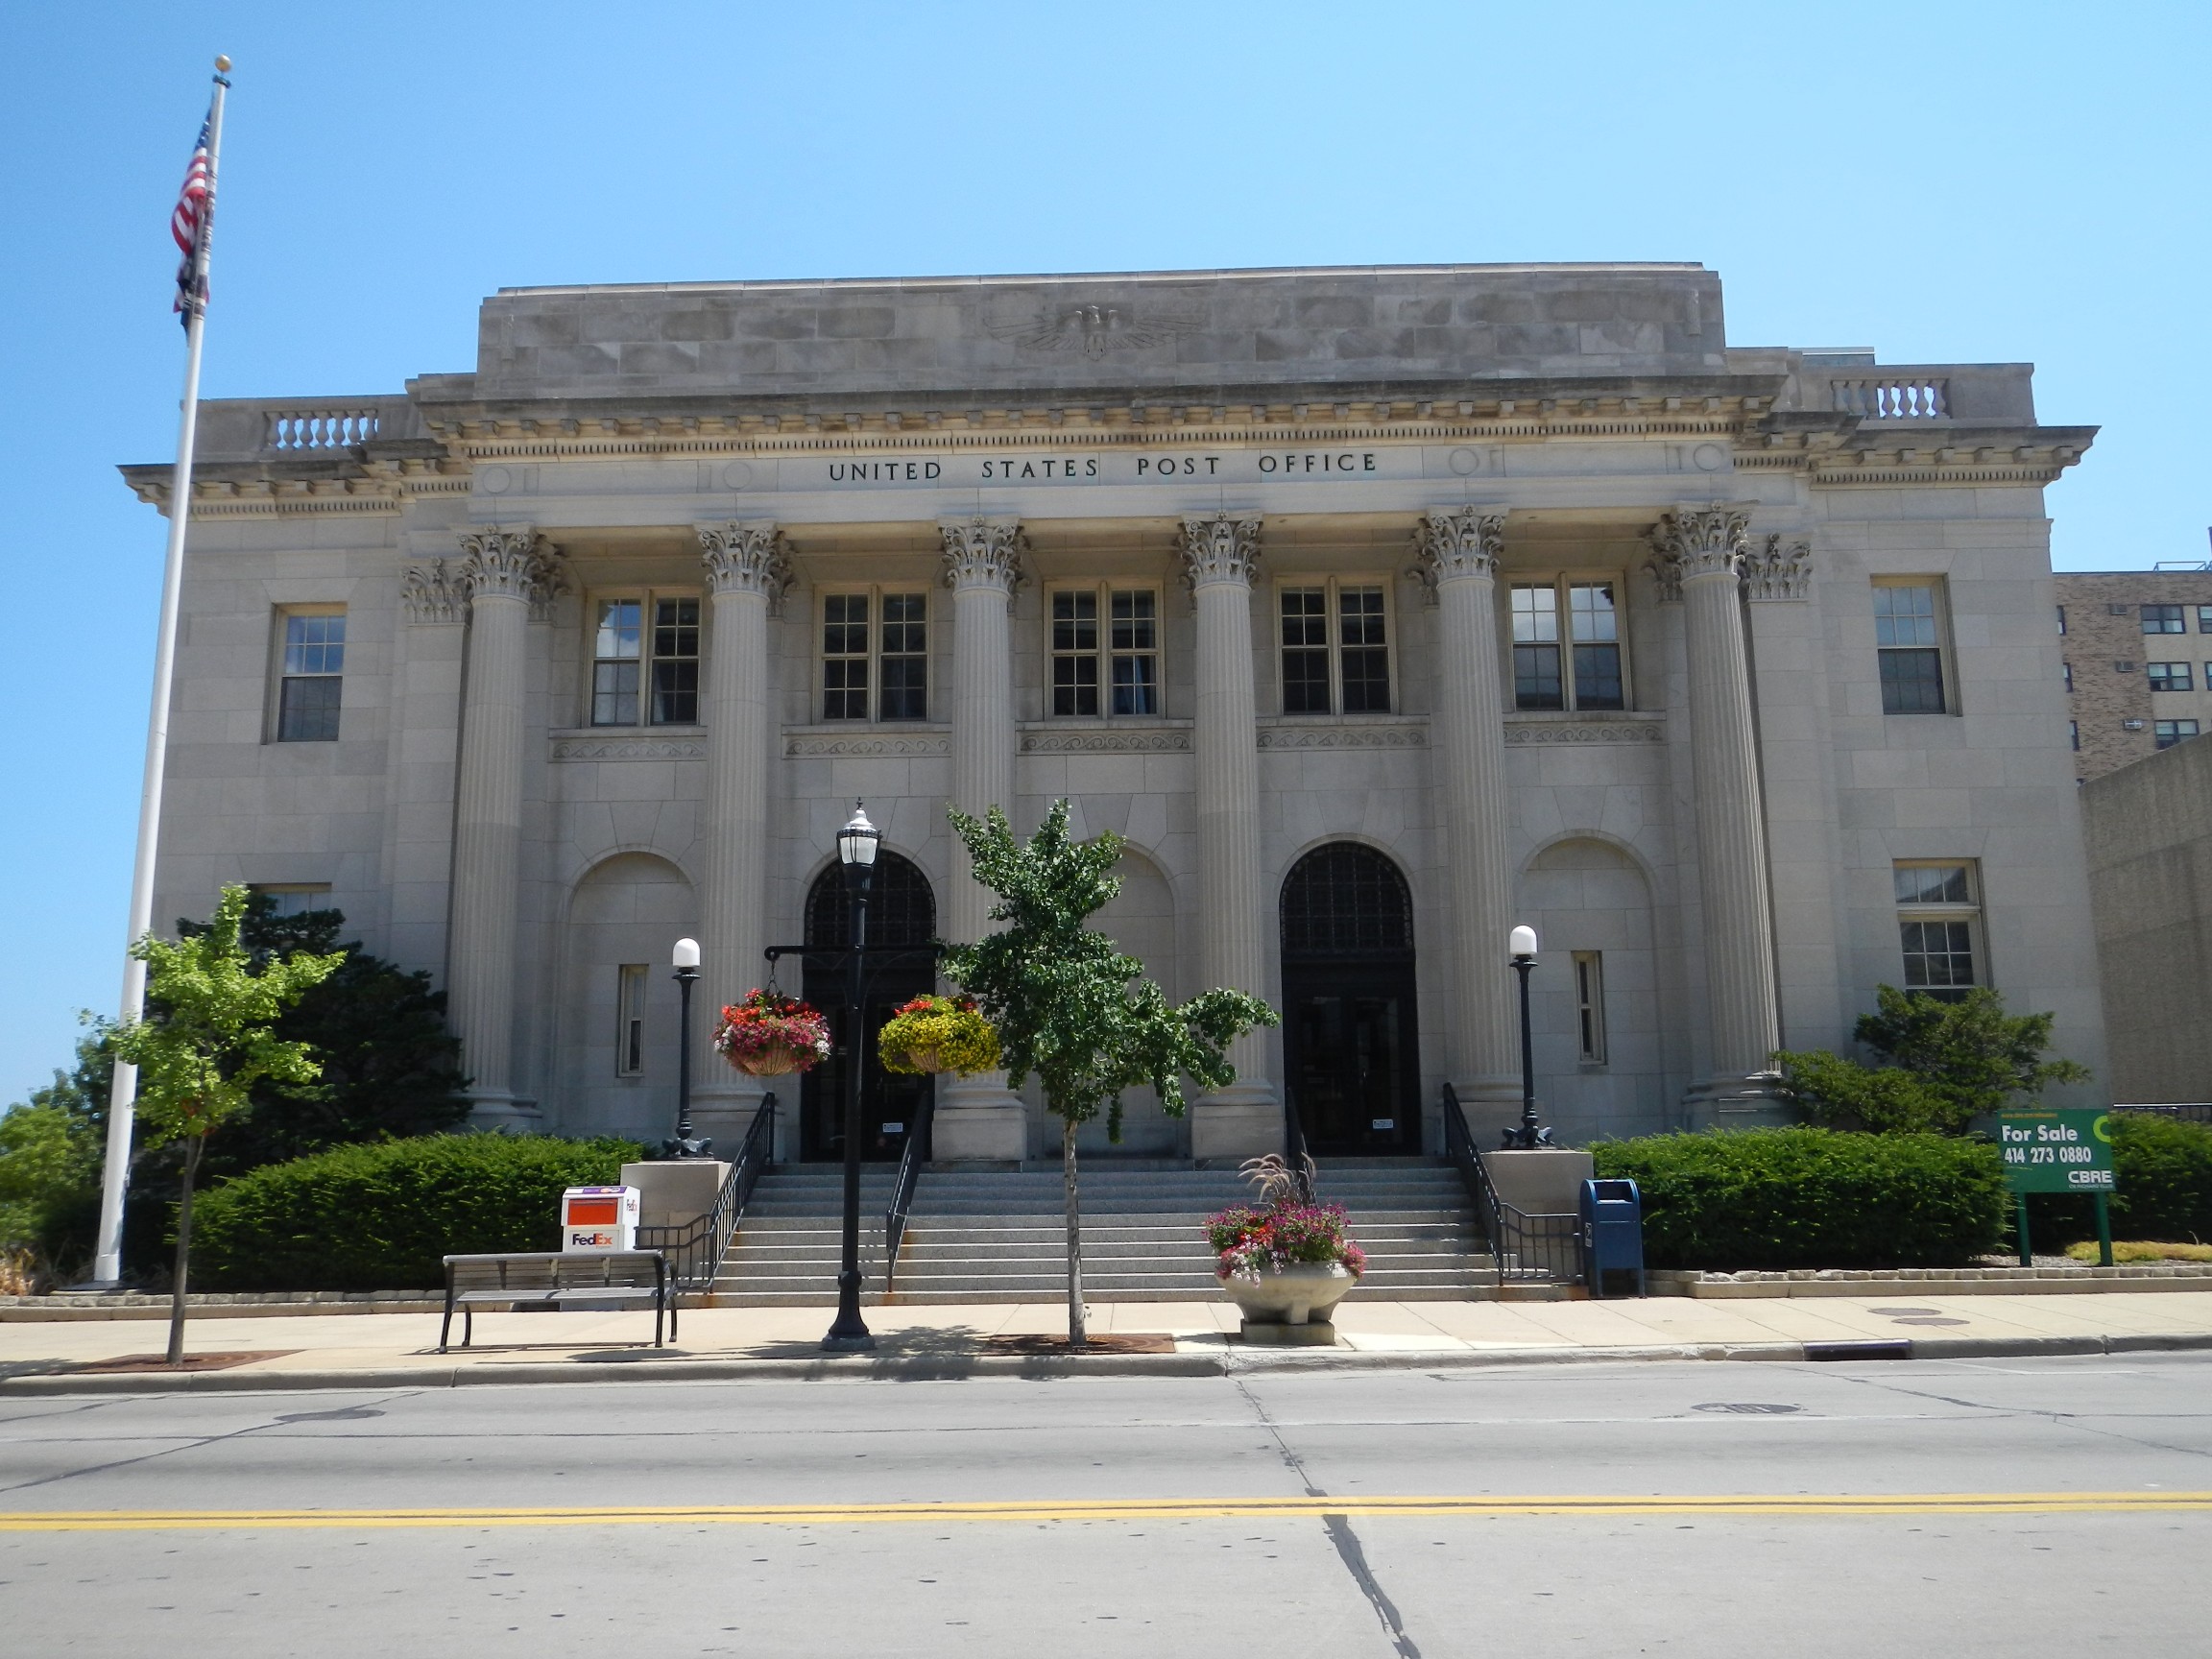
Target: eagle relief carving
1094,330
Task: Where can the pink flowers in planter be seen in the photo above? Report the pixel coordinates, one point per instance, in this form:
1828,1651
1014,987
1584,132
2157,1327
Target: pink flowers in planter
768,1035
1255,1242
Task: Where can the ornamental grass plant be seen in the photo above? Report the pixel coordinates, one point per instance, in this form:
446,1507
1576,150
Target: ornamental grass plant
939,1034
768,1034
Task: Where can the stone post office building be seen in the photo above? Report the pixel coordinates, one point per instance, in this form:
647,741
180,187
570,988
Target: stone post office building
1379,609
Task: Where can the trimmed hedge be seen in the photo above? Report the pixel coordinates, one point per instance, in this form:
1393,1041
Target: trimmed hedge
380,1217
1773,1199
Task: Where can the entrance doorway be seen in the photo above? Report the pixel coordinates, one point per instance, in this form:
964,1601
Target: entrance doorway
900,911
1351,1036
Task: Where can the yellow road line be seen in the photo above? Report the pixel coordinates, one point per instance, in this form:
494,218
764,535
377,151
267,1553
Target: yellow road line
1034,1511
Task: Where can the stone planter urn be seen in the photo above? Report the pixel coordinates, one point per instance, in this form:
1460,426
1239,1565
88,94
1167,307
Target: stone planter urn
1295,1296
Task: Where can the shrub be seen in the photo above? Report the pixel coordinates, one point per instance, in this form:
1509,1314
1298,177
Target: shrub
381,1217
1782,1198
1840,1094
2162,1174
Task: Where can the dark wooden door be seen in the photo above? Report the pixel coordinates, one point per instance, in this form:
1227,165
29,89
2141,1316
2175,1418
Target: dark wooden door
901,913
1351,1037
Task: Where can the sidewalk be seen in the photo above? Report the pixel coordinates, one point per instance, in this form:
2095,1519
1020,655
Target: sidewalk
398,1350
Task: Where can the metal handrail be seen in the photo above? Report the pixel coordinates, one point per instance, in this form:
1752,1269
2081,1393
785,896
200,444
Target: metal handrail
696,1248
1531,1248
911,1157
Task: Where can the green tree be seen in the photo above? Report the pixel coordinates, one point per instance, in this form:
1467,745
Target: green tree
50,1150
1945,1062
390,1067
1070,1007
208,1042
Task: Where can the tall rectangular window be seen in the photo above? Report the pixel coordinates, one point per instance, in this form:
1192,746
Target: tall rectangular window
893,655
1111,669
645,661
1938,908
630,1019
675,662
2073,733
2163,619
2067,669
1583,670
2204,618
2061,619
845,656
2168,676
2165,733
1590,1005
312,678
1335,648
1908,634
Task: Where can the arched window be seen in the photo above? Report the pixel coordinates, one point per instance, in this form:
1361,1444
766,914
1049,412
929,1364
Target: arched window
1346,899
900,908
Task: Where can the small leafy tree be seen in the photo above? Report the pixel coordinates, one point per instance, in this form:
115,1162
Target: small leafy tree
1946,1061
1071,1008
210,1042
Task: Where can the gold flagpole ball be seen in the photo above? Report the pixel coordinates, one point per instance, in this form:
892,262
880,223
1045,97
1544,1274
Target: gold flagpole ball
222,64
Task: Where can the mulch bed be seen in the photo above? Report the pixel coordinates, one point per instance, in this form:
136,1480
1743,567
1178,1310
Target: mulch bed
1129,1343
136,1363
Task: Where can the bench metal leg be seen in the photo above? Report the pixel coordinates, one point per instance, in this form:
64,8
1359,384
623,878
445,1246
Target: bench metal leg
445,1329
468,1323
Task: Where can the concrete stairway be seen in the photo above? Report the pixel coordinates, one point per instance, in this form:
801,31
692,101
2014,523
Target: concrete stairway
999,1237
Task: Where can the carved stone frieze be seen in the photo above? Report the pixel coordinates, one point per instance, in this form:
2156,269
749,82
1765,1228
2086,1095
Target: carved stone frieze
983,553
1782,568
628,749
514,563
430,594
746,558
1694,541
1450,542
1224,549
1139,740
917,746
1300,737
1519,736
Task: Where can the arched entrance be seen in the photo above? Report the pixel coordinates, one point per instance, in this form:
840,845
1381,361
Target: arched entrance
1351,1038
900,911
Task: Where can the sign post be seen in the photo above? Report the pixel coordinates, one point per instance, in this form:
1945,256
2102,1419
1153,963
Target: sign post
2058,1149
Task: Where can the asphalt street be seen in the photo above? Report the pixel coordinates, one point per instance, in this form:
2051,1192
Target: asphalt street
2009,1507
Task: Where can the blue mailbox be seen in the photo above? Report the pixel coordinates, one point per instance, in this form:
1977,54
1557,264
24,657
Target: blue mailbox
1611,1233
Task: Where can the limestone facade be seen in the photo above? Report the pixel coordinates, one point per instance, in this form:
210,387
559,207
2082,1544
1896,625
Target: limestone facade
1378,609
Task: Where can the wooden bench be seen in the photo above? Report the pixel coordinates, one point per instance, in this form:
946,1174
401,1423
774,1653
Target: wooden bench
551,1279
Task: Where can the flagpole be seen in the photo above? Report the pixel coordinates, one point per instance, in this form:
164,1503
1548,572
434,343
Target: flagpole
115,1175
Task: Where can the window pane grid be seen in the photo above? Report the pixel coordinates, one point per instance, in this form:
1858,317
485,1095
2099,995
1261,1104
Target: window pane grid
1365,664
1939,956
676,662
904,694
2168,676
845,656
311,686
1136,644
1910,655
2165,733
2163,619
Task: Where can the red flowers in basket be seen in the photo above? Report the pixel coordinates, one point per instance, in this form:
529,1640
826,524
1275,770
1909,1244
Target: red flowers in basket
767,1034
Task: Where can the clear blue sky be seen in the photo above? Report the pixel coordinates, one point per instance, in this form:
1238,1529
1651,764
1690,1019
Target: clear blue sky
1978,183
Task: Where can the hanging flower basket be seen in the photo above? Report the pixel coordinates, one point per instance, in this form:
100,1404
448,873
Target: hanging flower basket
771,1035
937,1034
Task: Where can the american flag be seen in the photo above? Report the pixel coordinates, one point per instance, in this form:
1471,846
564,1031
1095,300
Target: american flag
187,223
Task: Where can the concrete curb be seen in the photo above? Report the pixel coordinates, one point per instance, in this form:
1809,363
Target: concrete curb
953,1367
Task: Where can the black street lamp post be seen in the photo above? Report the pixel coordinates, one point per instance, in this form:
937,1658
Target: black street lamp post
856,844
685,958
1526,1135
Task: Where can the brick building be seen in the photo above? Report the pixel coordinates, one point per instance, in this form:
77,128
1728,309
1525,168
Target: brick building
2137,649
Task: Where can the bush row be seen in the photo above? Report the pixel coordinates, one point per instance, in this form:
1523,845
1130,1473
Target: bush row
382,1216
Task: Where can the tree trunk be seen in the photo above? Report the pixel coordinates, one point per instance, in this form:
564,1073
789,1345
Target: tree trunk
1077,1333
192,1148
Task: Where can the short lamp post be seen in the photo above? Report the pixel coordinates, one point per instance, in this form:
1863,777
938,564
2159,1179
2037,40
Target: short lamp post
856,844
1526,1136
686,959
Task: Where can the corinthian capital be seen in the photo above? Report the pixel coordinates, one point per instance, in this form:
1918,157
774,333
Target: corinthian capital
513,563
431,593
1452,543
1693,542
1224,549
983,553
746,558
1781,568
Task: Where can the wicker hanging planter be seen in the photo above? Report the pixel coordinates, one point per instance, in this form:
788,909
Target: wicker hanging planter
771,1035
935,1035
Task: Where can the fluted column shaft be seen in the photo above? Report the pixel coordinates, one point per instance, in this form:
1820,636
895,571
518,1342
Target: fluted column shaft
504,571
1459,555
746,572
1219,556
1706,548
979,1117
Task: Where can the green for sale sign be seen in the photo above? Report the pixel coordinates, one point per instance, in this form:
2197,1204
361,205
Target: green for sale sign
2056,1150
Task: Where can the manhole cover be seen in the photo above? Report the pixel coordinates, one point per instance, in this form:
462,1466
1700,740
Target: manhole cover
1927,1319
1893,1311
1748,1408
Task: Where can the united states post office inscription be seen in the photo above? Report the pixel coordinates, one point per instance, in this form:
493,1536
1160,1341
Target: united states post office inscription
1156,467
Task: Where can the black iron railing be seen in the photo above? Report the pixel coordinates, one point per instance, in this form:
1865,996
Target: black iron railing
911,1157
696,1248
1539,1248
2191,1111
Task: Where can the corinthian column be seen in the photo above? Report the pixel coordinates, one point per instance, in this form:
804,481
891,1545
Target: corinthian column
1219,556
1701,556
505,572
979,1117
746,572
1459,558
